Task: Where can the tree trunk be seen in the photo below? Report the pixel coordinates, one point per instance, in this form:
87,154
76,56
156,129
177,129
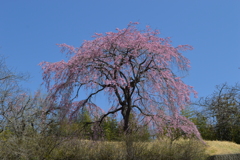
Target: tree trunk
127,133
126,119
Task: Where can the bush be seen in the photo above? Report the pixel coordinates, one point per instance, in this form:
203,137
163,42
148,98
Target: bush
76,149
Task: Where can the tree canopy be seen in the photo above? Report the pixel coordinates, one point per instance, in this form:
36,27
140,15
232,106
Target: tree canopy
137,71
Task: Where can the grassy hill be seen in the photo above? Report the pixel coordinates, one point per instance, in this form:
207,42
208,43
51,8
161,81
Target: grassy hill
160,149
222,147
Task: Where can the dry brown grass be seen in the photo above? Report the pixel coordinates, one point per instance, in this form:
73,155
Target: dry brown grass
156,150
222,147
71,149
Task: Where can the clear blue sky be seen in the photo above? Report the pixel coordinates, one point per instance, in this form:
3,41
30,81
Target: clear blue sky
30,29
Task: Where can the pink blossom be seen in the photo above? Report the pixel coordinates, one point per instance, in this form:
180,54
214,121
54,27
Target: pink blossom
134,68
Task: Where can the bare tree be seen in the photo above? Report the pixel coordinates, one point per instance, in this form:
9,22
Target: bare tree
25,120
9,89
222,109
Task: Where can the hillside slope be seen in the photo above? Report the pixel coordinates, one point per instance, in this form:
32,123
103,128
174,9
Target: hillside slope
222,147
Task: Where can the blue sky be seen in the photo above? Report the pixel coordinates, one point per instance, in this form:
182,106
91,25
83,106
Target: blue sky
30,29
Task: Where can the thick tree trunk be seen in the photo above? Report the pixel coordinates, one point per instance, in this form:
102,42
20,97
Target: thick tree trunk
126,119
127,133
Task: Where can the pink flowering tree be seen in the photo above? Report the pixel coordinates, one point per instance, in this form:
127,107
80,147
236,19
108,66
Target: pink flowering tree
135,68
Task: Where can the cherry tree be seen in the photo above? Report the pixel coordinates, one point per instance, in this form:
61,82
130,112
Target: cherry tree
137,71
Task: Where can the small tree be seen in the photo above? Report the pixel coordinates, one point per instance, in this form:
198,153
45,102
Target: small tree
111,129
25,120
136,71
222,111
201,120
9,91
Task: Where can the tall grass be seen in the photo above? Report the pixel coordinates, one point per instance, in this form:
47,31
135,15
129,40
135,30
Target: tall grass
37,147
156,150
32,147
